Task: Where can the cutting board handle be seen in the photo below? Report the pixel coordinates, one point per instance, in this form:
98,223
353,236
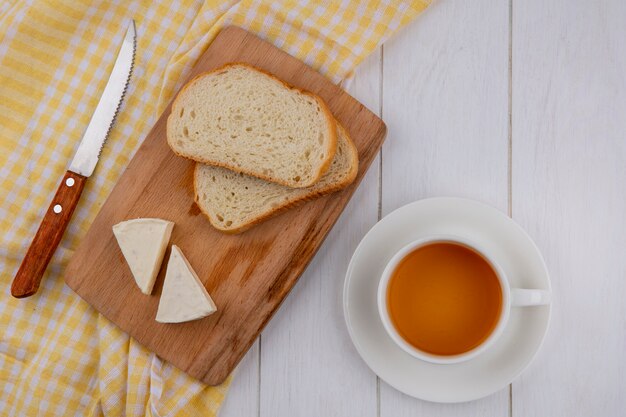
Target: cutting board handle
51,229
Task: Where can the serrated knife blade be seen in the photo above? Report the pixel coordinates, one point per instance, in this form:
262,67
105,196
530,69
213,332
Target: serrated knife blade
97,131
59,213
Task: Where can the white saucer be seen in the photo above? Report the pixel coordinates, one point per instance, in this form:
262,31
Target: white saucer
491,370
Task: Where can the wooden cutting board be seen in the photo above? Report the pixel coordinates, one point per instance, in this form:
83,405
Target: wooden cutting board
248,275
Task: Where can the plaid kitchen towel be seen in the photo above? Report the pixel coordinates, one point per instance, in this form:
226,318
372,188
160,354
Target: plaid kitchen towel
58,356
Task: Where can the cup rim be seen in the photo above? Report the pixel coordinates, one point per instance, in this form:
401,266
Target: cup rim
383,311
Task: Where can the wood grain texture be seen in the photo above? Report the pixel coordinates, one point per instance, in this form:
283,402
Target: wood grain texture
568,162
569,176
309,366
445,100
248,275
48,236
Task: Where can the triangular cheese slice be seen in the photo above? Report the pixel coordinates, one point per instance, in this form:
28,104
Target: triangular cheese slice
184,297
143,243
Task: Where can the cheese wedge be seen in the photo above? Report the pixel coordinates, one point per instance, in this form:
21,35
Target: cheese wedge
184,297
143,243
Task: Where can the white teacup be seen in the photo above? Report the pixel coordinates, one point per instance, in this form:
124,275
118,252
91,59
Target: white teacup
511,297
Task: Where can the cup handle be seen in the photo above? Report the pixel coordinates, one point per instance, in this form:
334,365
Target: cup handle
521,297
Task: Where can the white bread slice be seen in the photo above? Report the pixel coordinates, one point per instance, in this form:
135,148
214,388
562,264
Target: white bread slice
143,243
183,297
241,118
235,202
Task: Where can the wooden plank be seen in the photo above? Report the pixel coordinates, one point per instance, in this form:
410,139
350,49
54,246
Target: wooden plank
309,366
248,275
569,171
445,100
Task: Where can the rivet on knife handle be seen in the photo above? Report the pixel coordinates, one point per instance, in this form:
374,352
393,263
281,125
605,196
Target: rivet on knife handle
48,236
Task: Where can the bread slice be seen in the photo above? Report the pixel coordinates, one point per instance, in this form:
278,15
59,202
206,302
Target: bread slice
234,202
241,118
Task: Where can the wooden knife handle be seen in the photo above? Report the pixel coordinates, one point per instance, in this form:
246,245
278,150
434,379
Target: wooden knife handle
51,229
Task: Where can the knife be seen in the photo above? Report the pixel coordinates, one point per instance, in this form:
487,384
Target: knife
58,215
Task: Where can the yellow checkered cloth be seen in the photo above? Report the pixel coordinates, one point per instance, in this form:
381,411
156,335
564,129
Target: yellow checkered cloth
58,356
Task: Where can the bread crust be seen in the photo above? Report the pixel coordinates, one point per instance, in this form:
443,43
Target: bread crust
281,209
331,133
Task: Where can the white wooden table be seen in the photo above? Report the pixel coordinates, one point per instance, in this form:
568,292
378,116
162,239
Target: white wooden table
520,105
